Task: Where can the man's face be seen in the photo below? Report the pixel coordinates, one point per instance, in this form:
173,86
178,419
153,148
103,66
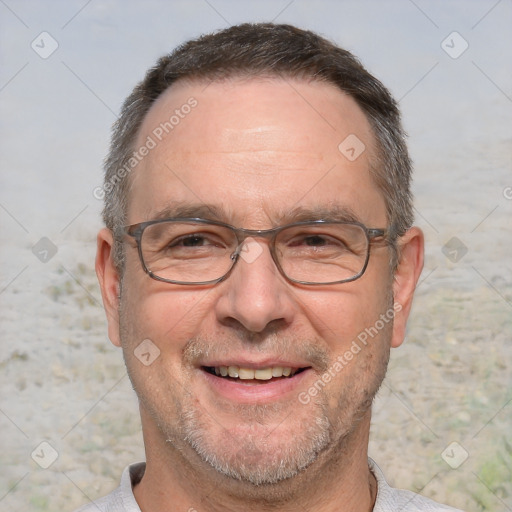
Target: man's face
260,154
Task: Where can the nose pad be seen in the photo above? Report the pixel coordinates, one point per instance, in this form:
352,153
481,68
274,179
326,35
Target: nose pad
249,250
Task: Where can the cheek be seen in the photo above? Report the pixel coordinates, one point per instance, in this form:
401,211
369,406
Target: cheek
340,316
160,312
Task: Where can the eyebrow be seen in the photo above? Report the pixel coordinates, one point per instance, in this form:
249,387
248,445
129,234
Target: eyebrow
332,212
191,210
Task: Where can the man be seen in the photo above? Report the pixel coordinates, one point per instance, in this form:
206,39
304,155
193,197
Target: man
258,264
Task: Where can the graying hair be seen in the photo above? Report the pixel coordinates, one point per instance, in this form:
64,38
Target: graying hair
265,49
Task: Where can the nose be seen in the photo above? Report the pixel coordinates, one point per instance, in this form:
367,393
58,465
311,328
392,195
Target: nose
255,295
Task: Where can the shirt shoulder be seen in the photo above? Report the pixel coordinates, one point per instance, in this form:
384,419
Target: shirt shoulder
110,503
388,499
122,498
399,500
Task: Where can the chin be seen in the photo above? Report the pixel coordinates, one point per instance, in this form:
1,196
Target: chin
259,453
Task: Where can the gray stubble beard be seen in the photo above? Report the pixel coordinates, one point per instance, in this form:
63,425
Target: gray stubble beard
250,464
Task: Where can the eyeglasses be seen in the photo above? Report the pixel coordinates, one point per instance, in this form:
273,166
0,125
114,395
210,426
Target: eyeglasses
193,251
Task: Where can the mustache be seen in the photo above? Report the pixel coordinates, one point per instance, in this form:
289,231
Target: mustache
222,346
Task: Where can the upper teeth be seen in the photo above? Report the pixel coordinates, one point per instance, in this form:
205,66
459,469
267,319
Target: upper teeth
251,373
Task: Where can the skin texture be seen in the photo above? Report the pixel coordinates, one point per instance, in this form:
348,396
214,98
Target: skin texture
256,151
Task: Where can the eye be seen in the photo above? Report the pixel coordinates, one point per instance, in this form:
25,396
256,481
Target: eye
195,240
316,240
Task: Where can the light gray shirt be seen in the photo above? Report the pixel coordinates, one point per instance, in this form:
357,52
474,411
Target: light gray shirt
388,499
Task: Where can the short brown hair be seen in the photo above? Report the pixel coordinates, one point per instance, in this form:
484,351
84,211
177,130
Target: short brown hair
266,49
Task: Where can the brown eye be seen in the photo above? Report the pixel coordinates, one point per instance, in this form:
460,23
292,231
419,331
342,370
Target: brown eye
190,241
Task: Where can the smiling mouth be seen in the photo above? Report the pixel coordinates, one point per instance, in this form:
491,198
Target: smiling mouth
237,373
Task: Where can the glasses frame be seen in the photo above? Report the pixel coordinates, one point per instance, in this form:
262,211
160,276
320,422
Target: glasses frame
136,231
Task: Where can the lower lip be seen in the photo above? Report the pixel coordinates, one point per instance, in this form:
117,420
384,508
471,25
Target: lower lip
266,391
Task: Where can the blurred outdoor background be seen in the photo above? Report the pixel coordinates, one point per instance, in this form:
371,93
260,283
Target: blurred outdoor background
69,419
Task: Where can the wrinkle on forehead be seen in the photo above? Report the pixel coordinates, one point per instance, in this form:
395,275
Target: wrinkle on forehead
268,138
277,217
252,120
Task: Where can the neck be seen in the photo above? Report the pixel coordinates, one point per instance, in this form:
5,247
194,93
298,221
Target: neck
340,477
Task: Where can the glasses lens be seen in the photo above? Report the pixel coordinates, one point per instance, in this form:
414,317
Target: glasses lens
322,253
187,252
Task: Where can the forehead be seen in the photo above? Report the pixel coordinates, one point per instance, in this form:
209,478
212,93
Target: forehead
254,149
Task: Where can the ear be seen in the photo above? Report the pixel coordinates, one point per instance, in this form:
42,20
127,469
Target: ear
109,280
411,246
